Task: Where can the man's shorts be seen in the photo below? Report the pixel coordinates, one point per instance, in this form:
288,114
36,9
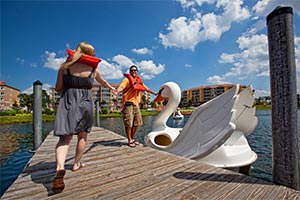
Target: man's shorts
132,116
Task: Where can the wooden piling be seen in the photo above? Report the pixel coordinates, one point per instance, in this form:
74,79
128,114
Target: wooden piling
37,114
284,97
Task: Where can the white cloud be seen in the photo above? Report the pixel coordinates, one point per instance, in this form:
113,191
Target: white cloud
148,69
188,65
265,7
52,62
216,80
122,61
20,60
253,57
227,58
192,3
262,93
142,51
114,70
44,87
252,61
110,71
183,33
256,27
186,33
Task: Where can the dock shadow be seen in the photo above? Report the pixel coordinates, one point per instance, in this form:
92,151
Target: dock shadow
43,173
237,178
113,143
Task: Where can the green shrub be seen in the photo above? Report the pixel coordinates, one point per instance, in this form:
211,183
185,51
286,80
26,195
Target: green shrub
104,111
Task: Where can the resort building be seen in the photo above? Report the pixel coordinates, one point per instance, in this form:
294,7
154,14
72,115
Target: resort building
8,96
102,95
194,97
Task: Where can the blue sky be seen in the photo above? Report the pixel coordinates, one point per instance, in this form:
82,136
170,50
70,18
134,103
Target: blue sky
191,42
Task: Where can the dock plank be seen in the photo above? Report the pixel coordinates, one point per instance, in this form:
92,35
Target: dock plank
116,171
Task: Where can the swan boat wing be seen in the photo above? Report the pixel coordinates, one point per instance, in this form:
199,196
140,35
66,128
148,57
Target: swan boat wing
244,112
208,127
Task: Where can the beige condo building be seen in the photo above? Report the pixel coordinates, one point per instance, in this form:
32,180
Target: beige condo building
102,95
196,96
8,96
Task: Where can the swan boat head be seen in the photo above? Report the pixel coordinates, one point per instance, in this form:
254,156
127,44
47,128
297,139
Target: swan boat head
162,135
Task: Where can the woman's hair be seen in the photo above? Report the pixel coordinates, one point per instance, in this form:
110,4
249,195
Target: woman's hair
85,48
82,48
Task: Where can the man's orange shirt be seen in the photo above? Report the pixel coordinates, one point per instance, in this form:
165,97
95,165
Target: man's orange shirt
130,94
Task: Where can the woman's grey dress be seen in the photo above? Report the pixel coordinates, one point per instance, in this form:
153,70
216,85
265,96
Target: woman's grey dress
75,112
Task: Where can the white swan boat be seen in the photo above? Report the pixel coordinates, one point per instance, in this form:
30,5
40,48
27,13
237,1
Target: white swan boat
216,131
178,115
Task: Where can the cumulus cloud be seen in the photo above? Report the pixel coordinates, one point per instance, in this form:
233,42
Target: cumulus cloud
183,33
110,70
264,7
120,64
253,58
186,33
142,51
20,60
114,69
122,60
262,93
216,80
52,61
44,87
148,69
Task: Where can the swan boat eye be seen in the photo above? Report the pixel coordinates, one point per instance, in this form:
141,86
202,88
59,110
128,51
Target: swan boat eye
159,92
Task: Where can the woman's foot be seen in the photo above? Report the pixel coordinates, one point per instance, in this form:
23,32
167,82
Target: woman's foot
78,166
58,182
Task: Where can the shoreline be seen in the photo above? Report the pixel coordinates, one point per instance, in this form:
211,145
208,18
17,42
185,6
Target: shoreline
27,118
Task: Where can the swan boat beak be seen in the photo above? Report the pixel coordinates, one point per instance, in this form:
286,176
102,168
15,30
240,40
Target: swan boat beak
159,98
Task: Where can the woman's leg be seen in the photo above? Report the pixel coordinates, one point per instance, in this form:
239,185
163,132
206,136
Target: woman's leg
61,151
81,144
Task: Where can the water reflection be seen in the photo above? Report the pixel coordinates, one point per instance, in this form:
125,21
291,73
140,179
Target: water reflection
15,142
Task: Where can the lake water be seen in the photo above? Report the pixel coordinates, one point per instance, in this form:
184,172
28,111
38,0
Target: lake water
16,143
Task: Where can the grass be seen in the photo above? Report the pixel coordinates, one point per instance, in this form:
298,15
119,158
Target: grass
264,107
23,118
27,118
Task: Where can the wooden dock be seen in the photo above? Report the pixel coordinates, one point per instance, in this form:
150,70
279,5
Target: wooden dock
116,171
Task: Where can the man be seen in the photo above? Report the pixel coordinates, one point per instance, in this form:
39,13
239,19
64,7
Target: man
132,87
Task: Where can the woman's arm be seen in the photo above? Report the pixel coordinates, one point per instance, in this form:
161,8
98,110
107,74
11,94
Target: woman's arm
59,86
102,81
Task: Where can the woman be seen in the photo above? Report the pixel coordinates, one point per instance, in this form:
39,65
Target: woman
75,111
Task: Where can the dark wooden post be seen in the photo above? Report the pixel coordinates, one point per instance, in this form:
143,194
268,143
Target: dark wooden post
97,113
284,97
37,114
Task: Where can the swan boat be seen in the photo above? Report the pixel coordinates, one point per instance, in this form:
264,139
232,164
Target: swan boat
177,115
216,131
